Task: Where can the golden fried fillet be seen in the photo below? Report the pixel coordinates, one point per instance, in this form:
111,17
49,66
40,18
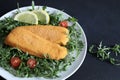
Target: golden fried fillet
34,45
52,33
58,28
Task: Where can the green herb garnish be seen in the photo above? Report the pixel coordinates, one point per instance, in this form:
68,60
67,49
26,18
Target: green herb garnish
104,53
74,43
55,19
72,19
44,7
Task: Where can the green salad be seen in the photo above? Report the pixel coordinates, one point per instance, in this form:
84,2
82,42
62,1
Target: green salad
44,67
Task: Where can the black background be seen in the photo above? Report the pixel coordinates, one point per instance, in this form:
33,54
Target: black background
100,20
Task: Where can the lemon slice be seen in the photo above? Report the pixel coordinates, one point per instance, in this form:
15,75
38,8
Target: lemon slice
27,17
42,15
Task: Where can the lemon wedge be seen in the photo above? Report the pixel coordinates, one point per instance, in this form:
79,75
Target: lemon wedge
42,15
27,17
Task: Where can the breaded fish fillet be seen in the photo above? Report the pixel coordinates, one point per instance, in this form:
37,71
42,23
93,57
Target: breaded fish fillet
52,33
34,45
58,28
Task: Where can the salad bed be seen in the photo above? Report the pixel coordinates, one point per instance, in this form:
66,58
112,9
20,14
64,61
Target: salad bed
45,67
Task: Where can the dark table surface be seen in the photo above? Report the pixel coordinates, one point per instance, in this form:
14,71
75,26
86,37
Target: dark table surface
100,20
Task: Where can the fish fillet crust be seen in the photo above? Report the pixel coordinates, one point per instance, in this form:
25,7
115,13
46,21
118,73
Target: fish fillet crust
52,33
58,28
34,45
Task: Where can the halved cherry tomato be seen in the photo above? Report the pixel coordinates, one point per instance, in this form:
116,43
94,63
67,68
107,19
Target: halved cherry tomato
64,24
15,62
31,63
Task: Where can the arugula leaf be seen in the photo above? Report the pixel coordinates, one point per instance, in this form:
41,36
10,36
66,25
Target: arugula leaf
55,19
44,7
74,42
72,19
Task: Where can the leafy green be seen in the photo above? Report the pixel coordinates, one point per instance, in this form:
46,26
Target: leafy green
72,19
45,67
116,49
106,53
44,7
7,25
74,39
55,19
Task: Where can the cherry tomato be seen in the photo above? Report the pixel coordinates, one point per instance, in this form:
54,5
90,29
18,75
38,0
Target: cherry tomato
64,24
15,62
31,63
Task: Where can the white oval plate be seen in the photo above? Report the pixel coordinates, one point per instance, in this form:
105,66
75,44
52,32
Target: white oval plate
63,75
